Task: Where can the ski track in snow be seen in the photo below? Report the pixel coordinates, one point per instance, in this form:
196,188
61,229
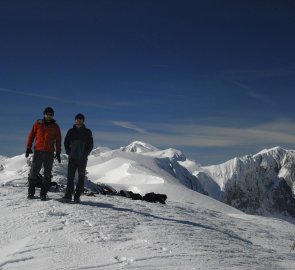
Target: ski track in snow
110,232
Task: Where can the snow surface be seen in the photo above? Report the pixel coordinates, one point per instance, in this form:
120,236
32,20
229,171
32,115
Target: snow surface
192,231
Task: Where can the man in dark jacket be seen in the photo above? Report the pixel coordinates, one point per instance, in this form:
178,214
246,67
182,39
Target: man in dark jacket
78,145
47,137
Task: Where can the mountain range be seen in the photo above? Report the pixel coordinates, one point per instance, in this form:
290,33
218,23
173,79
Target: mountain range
262,184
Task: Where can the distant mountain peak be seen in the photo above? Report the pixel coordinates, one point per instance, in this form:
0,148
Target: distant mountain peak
170,153
139,147
99,150
270,151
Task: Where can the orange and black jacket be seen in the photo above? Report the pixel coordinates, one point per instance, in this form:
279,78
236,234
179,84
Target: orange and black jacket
47,135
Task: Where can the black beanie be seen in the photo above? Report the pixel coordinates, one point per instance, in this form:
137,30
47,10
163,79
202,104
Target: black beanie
48,110
80,116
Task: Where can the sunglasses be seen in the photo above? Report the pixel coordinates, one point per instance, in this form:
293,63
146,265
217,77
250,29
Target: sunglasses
49,114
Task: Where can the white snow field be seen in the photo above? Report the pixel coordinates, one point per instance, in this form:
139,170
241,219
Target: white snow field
190,231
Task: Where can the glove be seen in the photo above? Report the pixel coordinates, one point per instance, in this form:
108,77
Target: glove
57,156
28,152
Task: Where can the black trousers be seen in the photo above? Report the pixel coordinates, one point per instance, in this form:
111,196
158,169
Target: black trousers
45,159
74,165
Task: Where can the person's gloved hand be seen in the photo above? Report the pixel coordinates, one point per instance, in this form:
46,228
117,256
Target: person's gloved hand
28,152
57,156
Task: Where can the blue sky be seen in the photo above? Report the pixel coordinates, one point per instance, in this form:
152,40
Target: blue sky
214,79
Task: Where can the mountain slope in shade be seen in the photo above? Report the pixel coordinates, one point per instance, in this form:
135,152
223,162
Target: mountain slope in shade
258,184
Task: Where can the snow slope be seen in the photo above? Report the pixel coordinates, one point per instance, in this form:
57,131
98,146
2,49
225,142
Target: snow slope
192,231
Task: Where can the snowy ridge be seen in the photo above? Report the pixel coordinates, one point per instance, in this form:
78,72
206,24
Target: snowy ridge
192,231
150,172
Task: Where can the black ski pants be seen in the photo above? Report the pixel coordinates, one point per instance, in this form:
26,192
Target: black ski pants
41,158
80,165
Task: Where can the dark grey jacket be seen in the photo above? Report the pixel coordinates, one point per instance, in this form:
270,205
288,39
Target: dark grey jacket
78,142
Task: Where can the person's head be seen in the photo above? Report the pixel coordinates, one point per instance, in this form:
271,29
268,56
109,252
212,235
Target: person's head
48,113
79,119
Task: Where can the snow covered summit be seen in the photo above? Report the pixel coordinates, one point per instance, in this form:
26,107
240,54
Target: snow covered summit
139,147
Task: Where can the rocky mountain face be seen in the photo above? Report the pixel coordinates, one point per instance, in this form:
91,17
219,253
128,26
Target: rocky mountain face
182,174
260,184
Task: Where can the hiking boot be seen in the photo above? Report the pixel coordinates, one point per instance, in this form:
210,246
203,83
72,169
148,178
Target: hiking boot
30,196
64,200
77,200
43,197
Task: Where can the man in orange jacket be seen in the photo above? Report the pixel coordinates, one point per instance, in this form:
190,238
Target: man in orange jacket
47,136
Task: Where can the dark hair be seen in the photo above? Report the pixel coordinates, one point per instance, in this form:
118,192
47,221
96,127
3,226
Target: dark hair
80,116
48,110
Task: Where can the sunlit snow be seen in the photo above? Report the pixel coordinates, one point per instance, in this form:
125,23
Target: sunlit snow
190,231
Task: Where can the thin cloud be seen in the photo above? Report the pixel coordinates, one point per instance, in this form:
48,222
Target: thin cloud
251,93
241,85
96,105
228,136
28,94
281,124
129,125
179,135
280,132
258,96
